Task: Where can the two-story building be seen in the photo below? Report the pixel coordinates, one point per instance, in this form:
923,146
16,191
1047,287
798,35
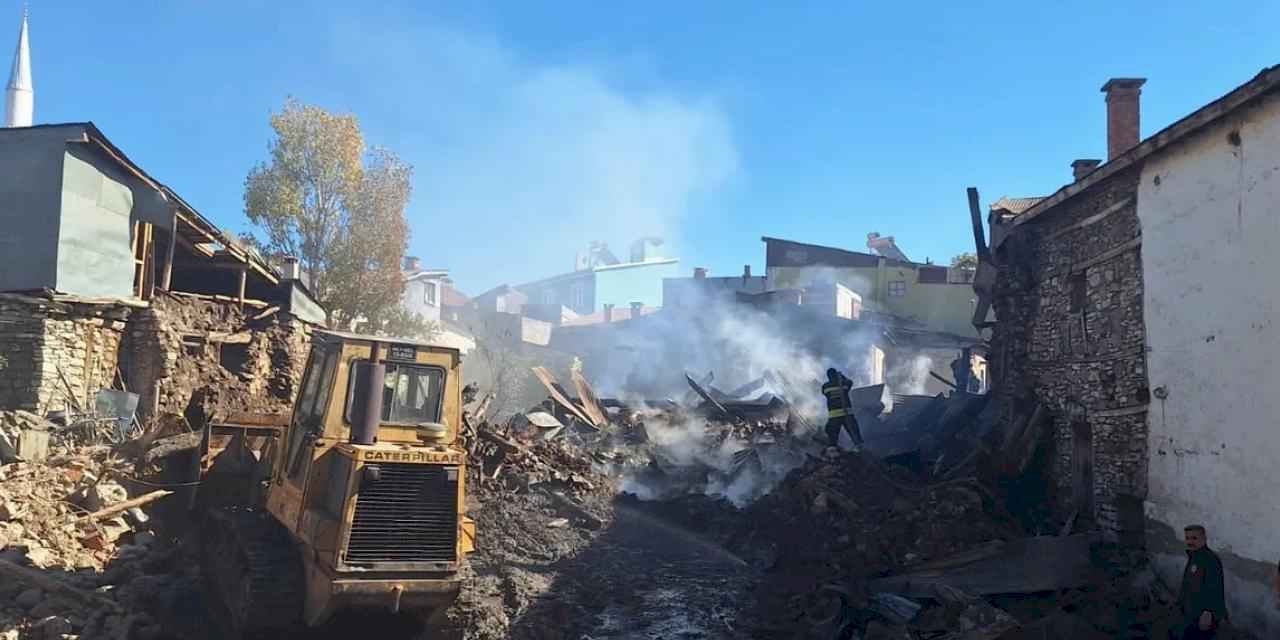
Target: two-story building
940,298
601,279
1132,304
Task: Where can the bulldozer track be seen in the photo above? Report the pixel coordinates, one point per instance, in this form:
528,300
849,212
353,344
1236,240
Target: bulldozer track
252,574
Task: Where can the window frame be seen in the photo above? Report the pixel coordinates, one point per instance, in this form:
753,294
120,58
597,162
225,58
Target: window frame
897,288
429,293
353,365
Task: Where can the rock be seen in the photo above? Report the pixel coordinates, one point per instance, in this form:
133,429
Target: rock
40,557
558,523
29,598
9,634
10,510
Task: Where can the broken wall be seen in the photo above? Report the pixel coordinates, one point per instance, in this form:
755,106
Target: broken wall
1209,206
56,355
1070,335
195,358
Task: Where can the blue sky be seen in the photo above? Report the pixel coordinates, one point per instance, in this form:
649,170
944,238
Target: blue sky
535,127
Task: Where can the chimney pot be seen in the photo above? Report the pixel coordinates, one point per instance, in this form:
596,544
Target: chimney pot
1081,168
1123,111
635,309
608,313
746,271
699,272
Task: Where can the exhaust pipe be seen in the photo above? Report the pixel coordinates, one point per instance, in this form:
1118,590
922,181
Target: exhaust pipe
366,432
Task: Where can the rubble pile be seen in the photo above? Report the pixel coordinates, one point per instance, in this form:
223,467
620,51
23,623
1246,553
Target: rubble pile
78,557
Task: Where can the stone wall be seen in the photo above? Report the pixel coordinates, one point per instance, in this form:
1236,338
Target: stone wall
1070,334
197,358
56,355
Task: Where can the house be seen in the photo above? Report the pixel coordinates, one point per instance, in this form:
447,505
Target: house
600,279
1125,307
500,299
424,289
107,270
682,292
939,297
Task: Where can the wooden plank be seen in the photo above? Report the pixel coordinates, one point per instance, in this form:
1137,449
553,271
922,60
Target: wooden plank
558,394
244,276
119,508
166,280
697,388
587,396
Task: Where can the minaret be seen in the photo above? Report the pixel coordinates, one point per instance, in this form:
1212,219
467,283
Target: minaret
20,96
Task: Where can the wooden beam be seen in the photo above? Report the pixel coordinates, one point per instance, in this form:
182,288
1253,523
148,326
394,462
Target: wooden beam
167,279
975,217
244,275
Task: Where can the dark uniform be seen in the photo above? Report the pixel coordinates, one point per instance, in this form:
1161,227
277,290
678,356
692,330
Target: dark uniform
838,414
1202,590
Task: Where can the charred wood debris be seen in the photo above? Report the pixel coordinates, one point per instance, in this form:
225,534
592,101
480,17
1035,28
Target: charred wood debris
911,538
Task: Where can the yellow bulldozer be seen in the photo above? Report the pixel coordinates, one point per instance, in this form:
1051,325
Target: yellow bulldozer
354,503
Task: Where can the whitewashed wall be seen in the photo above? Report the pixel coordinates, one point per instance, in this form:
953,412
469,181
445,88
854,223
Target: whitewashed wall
1210,214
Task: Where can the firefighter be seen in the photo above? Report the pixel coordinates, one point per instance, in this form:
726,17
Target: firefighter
839,413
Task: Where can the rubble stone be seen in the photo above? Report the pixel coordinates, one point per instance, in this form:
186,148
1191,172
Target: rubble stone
1068,300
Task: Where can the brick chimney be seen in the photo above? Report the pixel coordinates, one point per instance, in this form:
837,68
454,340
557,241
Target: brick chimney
700,273
1081,168
1123,130
412,263
746,274
635,309
608,313
292,270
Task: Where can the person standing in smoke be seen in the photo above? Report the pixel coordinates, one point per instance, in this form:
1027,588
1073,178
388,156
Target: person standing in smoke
839,413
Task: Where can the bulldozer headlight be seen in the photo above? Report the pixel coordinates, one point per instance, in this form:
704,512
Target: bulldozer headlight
372,473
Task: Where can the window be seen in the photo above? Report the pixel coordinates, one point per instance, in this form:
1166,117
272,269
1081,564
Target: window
411,394
897,288
1079,292
308,414
429,293
578,297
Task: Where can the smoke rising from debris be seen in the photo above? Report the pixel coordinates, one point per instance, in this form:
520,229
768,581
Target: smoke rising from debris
791,347
519,163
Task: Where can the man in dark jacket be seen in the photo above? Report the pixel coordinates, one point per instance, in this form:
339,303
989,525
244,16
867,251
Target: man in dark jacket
839,411
1202,598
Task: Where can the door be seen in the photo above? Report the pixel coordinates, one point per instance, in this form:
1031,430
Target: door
1082,468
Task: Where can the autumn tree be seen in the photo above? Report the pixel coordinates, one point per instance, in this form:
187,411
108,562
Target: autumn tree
335,205
965,261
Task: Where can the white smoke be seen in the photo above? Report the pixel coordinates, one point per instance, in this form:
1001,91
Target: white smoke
790,347
911,375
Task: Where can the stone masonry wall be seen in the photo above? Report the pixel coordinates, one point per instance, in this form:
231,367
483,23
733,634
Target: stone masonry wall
57,355
1068,300
182,364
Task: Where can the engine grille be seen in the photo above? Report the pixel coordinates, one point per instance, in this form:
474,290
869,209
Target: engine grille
409,515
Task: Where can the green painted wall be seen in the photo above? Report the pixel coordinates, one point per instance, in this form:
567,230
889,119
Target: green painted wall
941,307
94,239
